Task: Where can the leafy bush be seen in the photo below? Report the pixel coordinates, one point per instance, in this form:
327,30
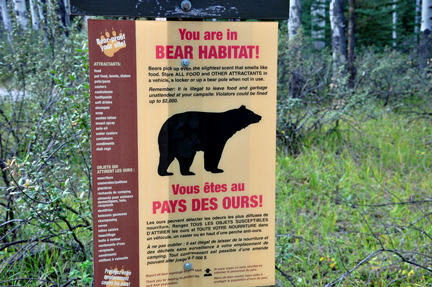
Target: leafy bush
45,157
394,79
310,101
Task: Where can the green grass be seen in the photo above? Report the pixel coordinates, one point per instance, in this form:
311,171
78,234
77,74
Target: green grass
337,204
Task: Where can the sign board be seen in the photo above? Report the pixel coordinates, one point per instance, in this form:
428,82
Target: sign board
183,157
232,9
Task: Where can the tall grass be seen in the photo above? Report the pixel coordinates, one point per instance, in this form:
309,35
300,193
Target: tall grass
354,208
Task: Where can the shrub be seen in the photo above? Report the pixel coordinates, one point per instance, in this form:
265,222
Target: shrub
45,157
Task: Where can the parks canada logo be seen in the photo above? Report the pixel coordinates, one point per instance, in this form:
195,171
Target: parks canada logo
111,43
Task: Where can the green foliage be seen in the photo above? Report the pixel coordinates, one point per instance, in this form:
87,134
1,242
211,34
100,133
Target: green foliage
83,275
309,100
283,249
373,23
353,168
393,78
46,230
356,207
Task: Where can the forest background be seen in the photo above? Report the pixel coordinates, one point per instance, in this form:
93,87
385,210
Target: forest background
353,156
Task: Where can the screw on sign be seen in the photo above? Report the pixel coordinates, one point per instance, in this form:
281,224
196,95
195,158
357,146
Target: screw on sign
185,62
186,5
187,266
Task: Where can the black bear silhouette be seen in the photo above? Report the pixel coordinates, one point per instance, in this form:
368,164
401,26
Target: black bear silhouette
182,135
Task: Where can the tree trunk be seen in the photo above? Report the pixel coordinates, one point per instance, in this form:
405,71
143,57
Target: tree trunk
295,50
318,23
425,48
40,10
337,24
85,22
21,13
67,11
34,16
417,17
394,21
351,43
64,13
5,16
294,21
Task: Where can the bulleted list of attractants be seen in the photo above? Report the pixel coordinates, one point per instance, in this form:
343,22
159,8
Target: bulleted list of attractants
114,152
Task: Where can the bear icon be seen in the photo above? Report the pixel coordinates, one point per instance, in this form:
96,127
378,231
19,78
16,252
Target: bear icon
183,134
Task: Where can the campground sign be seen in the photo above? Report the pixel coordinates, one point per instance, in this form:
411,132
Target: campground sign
183,150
